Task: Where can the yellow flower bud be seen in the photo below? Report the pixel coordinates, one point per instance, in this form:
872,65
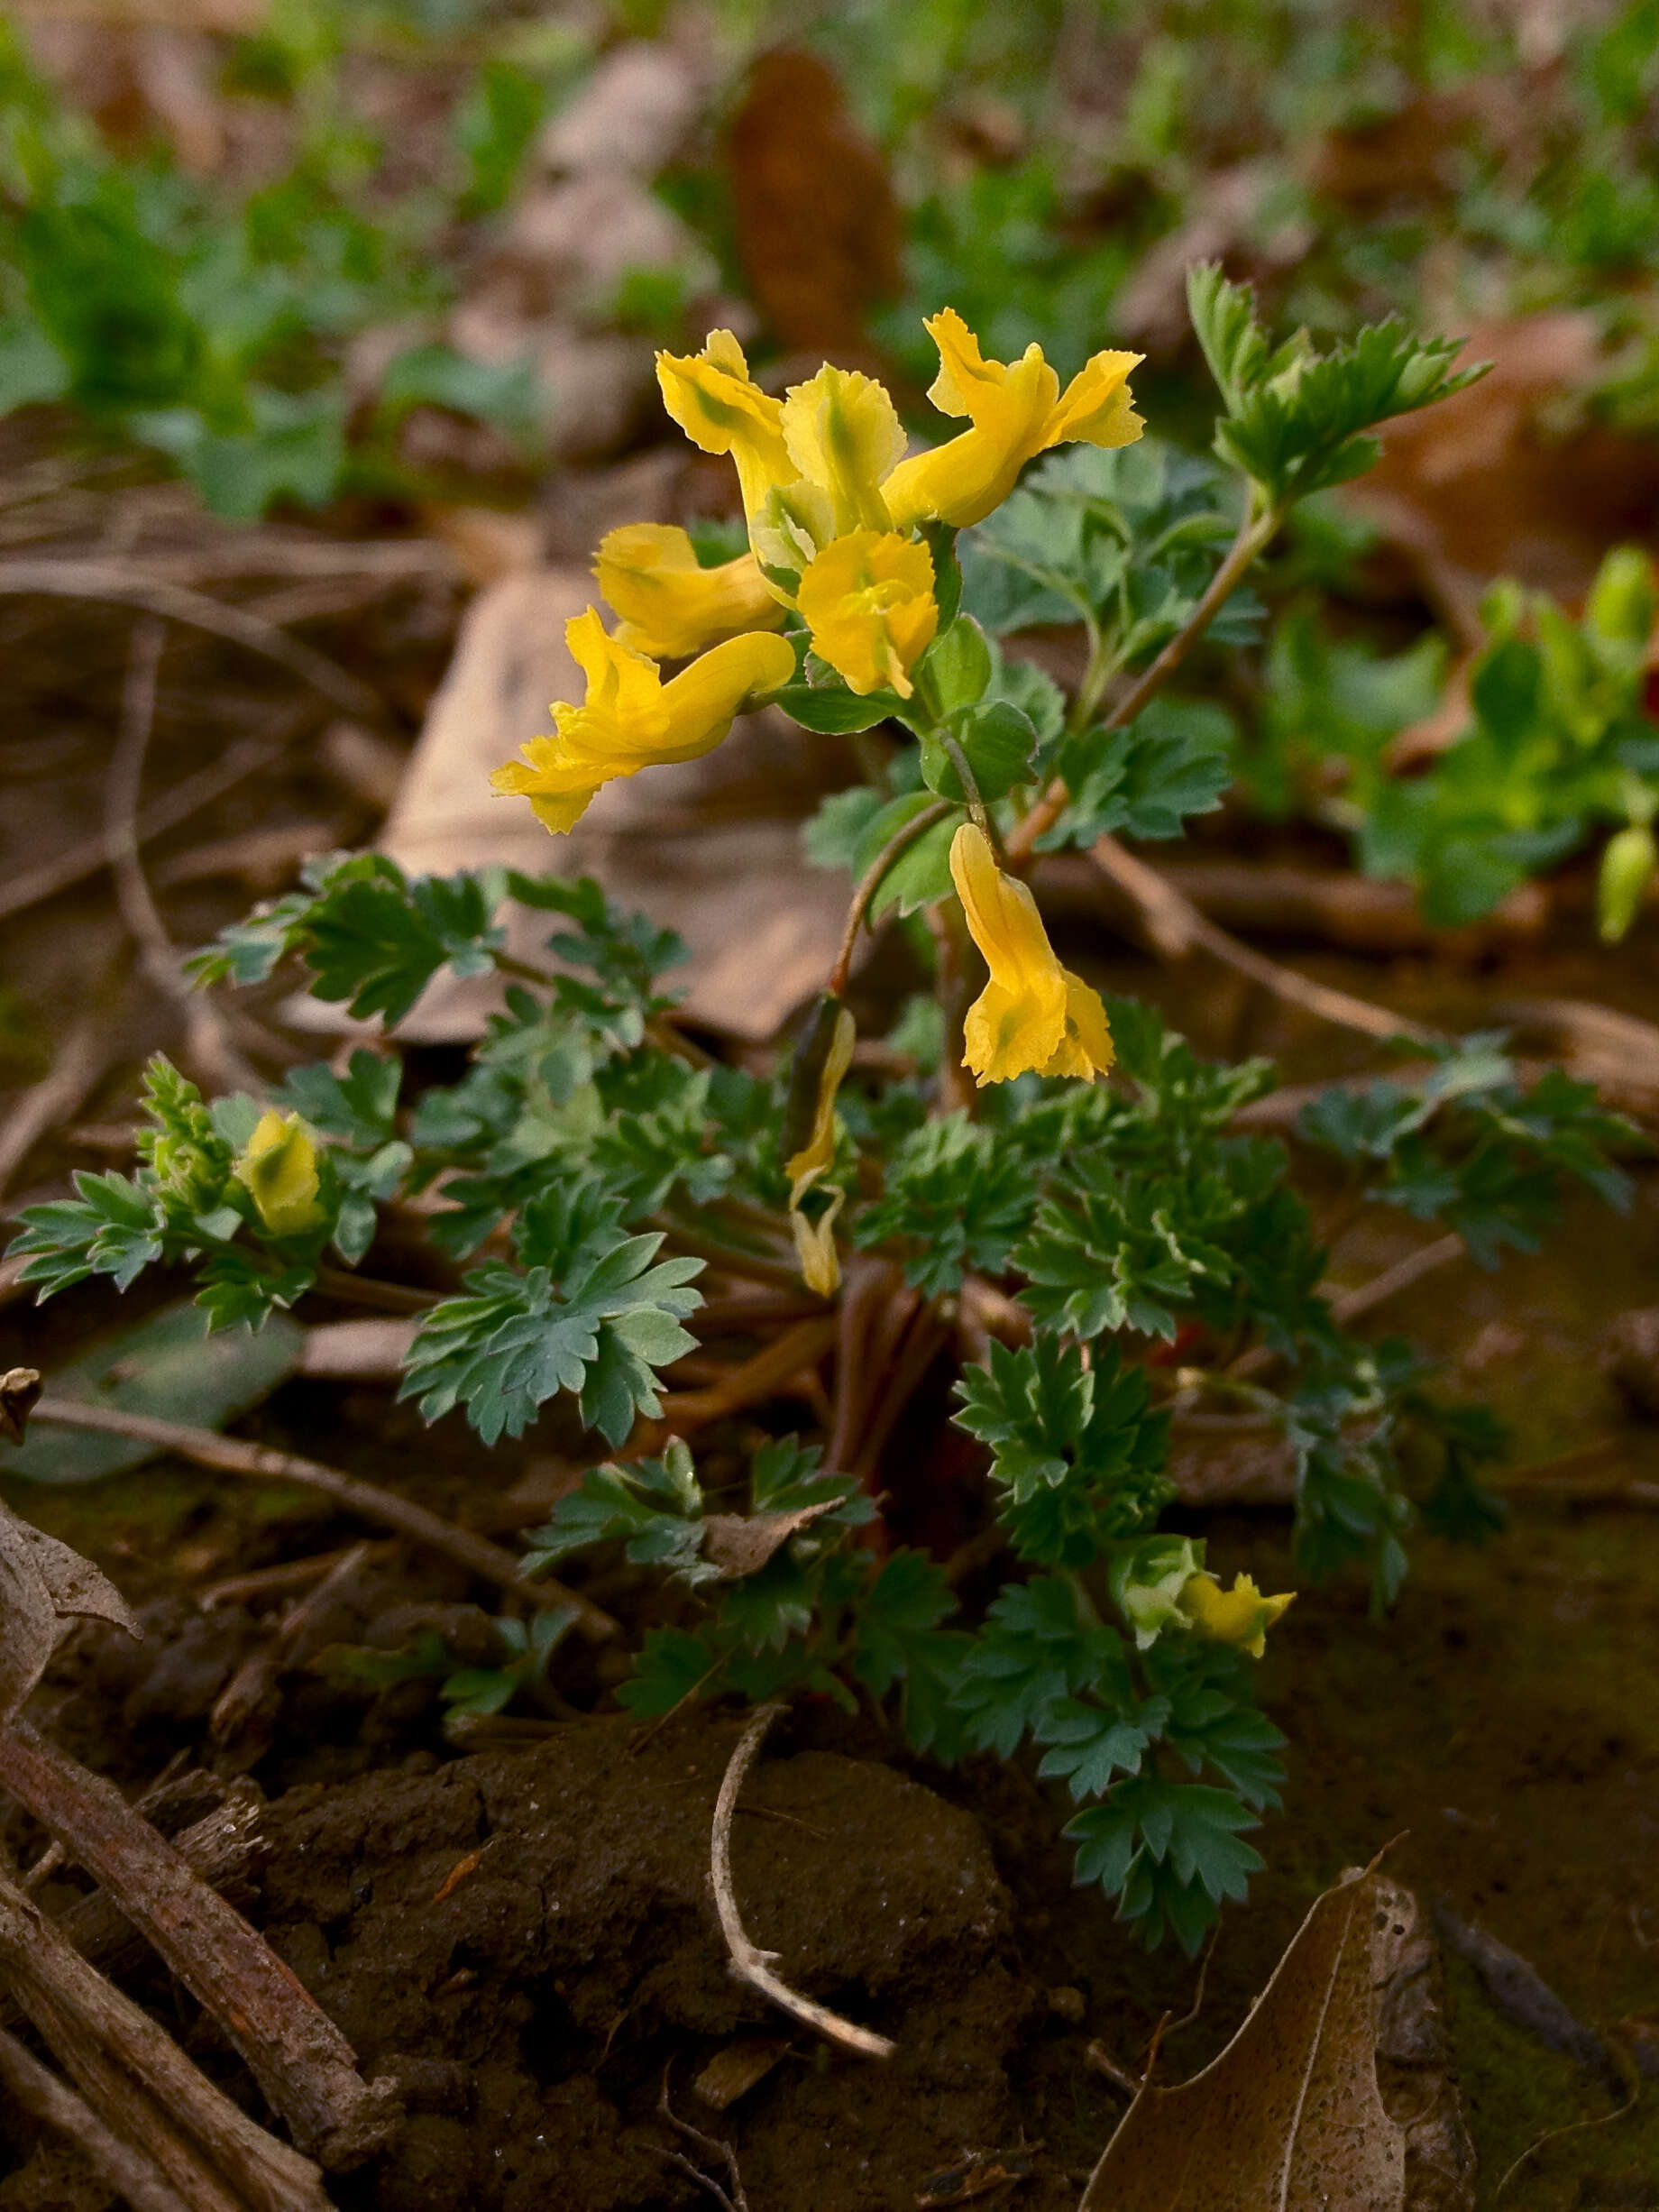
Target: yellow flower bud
1239,1616
821,1061
1017,410
1032,1014
631,719
669,605
279,1168
868,601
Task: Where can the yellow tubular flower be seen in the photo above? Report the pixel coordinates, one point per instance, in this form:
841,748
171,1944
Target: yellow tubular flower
719,407
843,434
830,1055
868,601
669,606
631,719
278,1170
1033,1014
1239,1616
1017,410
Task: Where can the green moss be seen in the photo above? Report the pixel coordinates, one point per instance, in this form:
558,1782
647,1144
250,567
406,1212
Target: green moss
1516,2092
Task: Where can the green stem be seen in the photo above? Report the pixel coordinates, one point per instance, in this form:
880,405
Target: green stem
870,882
970,790
1254,533
523,971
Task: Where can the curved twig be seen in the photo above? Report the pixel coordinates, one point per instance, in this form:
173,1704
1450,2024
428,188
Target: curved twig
749,1961
126,587
228,1453
1176,928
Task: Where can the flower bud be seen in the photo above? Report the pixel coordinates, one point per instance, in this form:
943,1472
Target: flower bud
1628,862
1622,599
279,1171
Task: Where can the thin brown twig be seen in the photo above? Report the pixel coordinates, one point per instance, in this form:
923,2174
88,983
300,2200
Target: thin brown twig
748,1962
209,1045
264,1464
1352,1305
712,2147
120,2166
803,1345
1178,929
90,855
52,1101
293,1575
139,2080
299,2058
115,584
1554,2135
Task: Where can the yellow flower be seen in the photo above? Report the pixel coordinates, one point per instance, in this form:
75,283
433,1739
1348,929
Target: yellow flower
844,435
868,601
631,719
1033,1014
825,1056
1239,1616
1017,410
719,407
279,1168
669,607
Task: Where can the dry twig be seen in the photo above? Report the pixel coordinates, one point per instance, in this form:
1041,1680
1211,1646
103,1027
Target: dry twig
1178,929
712,2147
231,1457
1364,1298
208,1044
50,1102
302,2062
748,1962
90,856
803,1345
117,584
118,2165
140,2083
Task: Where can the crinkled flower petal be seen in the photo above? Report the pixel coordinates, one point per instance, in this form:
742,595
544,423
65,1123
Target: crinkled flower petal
1017,410
719,407
670,606
1032,1015
868,600
631,719
1239,1616
843,434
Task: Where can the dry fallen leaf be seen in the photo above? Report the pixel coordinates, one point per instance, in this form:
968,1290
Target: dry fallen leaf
1290,2115
733,2071
42,1585
817,223
712,849
742,1543
19,1388
1484,484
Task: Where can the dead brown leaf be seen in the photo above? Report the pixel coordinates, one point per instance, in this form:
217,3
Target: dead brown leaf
733,2071
1490,483
742,1543
19,1388
1290,2114
43,1584
817,226
711,849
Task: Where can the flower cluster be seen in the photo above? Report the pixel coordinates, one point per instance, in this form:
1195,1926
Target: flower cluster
841,576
